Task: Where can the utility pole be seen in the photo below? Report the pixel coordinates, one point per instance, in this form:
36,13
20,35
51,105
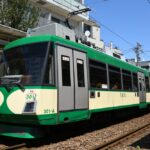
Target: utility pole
138,49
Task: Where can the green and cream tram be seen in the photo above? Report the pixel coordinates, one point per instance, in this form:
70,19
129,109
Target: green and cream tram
47,80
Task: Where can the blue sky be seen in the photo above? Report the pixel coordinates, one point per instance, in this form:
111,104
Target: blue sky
128,18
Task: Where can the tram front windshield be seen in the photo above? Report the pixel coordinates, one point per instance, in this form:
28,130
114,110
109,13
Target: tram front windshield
27,62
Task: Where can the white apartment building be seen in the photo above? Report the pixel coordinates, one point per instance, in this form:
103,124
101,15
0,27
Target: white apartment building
57,11
114,51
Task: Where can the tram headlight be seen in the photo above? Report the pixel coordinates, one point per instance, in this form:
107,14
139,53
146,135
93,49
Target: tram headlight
30,107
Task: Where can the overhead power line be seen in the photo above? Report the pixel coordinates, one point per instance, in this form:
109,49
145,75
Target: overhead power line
116,34
128,50
146,51
148,1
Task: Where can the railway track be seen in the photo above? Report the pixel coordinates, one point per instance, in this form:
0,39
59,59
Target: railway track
13,147
121,139
86,139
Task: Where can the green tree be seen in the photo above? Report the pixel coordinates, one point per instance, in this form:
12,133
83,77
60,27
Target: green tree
18,14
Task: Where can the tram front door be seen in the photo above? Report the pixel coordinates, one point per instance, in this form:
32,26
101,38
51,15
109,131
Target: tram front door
72,79
142,89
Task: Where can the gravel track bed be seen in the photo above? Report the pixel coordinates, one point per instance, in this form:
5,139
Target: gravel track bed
88,140
138,142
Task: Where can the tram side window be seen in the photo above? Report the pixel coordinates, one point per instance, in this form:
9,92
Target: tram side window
98,75
80,73
127,80
135,82
1,66
147,84
114,78
65,61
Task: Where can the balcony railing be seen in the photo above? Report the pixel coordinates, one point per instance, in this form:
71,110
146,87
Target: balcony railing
71,5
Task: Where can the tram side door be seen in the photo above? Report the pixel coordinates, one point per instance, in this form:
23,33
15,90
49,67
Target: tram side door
142,89
72,79
81,81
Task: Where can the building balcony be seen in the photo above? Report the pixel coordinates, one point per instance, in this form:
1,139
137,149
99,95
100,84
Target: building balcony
63,7
8,34
72,5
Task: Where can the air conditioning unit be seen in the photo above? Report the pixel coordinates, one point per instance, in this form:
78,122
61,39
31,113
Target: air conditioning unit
53,29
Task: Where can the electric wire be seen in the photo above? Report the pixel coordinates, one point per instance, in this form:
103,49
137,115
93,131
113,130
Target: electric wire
94,2
147,55
148,1
147,51
128,51
116,34
113,32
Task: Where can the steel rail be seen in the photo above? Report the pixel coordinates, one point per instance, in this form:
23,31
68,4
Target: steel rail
119,139
15,146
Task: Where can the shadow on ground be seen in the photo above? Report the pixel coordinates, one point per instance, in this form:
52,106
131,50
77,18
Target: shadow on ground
143,143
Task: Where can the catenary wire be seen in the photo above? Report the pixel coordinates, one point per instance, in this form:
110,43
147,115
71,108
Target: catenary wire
116,34
148,1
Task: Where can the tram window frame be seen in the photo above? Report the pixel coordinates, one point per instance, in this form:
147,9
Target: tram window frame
2,65
49,77
66,75
114,80
147,85
80,72
27,78
127,80
98,81
135,82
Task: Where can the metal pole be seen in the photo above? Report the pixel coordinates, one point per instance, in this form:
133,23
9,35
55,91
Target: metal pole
138,50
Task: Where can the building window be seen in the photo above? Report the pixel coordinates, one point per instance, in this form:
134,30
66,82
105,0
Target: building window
98,75
44,14
117,56
135,82
79,1
127,80
114,78
55,20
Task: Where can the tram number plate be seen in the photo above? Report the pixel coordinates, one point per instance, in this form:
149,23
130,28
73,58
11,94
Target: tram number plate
49,111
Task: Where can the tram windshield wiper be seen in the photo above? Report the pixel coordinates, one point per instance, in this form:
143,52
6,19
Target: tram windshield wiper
10,81
20,86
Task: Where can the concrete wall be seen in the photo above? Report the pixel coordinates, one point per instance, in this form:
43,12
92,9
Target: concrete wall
95,32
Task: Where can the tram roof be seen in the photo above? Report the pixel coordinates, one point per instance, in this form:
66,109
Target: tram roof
93,54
